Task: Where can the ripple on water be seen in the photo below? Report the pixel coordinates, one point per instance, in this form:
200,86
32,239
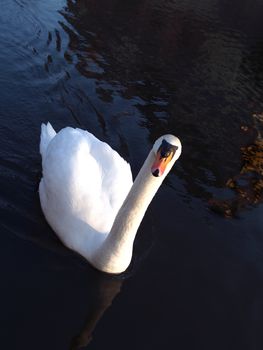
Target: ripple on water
129,71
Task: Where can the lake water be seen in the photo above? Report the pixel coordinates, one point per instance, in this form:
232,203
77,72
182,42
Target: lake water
129,71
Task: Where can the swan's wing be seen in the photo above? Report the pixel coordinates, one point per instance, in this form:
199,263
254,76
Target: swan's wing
116,176
84,184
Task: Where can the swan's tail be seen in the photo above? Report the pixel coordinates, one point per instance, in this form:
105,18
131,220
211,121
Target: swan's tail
47,134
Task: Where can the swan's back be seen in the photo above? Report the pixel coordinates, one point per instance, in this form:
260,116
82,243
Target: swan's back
84,184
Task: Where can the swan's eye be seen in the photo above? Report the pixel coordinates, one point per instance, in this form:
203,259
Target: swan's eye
164,155
167,150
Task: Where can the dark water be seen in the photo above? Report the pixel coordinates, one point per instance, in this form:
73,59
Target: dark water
129,71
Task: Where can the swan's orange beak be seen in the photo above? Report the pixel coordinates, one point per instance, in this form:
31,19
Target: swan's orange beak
160,163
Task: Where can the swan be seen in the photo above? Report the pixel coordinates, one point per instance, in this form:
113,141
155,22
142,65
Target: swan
88,196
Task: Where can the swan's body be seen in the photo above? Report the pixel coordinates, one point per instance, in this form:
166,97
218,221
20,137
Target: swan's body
83,190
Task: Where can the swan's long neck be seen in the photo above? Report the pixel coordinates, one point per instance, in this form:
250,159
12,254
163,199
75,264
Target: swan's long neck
115,253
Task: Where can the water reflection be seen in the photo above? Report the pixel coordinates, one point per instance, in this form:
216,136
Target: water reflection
248,184
105,288
178,76
128,71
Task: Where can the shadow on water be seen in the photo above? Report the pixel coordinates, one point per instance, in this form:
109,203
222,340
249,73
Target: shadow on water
129,71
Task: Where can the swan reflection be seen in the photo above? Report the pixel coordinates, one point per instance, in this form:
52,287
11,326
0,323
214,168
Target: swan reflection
105,290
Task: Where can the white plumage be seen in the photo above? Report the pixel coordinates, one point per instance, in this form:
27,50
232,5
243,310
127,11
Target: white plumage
84,185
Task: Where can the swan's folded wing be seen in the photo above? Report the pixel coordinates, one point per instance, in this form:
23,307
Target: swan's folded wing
84,181
116,175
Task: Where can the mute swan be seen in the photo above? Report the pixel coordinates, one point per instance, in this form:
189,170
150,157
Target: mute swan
88,197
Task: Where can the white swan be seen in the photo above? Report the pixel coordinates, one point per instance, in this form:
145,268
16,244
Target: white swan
88,197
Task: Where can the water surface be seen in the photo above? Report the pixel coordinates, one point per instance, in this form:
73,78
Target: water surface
129,72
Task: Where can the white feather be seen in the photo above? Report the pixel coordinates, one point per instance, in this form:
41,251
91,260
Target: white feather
82,194
47,134
83,186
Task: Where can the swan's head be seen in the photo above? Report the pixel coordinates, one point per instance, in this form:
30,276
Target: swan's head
167,150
